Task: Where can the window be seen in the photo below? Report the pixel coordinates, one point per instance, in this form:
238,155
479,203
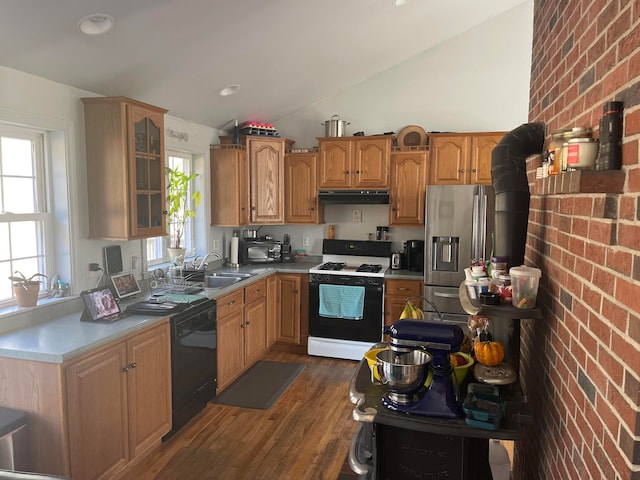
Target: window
25,223
157,247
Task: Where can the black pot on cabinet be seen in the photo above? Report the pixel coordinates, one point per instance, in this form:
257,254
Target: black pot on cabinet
414,255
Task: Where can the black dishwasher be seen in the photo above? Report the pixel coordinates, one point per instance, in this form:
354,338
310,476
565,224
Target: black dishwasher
193,362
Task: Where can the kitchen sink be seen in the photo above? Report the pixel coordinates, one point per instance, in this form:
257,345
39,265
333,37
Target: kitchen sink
231,274
218,281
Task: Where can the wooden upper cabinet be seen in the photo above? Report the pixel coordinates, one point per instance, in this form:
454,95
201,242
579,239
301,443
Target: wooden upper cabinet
461,158
354,162
229,185
125,168
481,147
334,163
301,189
370,163
408,186
266,165
448,157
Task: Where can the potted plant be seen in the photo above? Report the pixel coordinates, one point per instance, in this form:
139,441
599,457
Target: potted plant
25,289
179,206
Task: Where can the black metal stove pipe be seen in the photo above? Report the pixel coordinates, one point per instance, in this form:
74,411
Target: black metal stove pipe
511,187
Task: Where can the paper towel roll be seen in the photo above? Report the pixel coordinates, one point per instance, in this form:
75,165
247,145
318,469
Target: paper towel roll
234,250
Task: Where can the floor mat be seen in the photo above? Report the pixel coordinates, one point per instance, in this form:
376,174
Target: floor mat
261,385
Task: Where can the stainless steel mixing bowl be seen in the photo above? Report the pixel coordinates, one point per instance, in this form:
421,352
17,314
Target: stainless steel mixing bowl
402,373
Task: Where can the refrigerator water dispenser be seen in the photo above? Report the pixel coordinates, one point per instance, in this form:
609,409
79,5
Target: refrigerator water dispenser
444,254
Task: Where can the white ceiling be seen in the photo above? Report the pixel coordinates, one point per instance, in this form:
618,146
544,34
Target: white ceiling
177,54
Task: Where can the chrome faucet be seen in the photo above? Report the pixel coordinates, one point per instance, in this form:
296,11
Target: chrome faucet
203,263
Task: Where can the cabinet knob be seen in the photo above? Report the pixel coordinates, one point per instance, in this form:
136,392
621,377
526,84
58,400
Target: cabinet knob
473,170
357,172
402,289
253,209
247,323
242,325
133,365
164,212
346,172
462,170
125,369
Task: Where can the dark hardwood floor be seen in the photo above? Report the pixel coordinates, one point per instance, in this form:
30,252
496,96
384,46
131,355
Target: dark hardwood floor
304,436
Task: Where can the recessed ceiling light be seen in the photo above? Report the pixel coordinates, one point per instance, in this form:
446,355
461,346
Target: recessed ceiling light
399,3
96,24
229,90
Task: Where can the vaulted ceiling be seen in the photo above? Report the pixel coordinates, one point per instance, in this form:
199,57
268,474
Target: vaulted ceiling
178,54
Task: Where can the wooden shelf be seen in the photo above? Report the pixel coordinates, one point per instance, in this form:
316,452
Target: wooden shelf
581,181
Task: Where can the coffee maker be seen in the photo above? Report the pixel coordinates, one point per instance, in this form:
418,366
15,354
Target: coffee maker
439,340
414,254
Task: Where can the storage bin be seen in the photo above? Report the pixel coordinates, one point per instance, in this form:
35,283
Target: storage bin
524,286
483,410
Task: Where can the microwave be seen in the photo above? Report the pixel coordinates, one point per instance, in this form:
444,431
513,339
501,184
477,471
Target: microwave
259,251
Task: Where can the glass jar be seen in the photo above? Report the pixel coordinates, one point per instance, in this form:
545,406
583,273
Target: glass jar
571,146
554,151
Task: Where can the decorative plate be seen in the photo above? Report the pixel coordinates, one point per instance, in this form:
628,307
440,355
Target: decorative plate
412,136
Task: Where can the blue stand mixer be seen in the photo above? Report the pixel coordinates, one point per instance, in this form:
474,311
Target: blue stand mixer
438,340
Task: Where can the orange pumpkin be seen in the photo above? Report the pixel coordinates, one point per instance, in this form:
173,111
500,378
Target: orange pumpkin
489,353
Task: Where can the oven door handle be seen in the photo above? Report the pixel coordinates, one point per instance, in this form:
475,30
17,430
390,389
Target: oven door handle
356,466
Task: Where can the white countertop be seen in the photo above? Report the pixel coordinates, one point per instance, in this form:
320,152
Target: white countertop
63,338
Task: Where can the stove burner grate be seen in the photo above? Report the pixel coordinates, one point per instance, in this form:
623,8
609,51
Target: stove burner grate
373,268
332,266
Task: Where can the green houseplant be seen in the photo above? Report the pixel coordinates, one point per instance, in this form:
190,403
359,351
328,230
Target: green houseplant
26,289
179,206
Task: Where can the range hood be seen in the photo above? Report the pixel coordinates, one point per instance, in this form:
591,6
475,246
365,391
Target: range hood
345,197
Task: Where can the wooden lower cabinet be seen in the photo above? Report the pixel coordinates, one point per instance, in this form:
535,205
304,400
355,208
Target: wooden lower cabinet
242,331
230,342
255,322
396,293
293,309
97,396
92,417
119,403
272,310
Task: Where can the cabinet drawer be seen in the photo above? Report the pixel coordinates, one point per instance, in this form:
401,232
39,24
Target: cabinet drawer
255,290
230,302
405,288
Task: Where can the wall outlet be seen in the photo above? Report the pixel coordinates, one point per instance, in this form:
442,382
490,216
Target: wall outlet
357,216
216,244
305,241
134,261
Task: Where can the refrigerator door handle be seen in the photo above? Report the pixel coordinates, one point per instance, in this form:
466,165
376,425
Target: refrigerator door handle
475,226
446,295
479,225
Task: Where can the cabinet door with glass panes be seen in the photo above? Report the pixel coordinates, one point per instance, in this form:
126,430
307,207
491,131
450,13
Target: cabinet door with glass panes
147,176
125,168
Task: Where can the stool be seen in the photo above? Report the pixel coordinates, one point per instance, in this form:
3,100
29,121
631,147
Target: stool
13,439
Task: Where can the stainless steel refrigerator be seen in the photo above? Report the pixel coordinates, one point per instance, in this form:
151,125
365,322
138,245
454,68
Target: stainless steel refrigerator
459,223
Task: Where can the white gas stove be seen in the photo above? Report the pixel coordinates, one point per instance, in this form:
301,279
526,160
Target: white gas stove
351,272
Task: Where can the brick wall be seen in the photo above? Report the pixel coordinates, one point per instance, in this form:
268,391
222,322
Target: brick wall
581,363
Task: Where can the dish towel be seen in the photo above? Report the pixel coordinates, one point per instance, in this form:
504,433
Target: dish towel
341,301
